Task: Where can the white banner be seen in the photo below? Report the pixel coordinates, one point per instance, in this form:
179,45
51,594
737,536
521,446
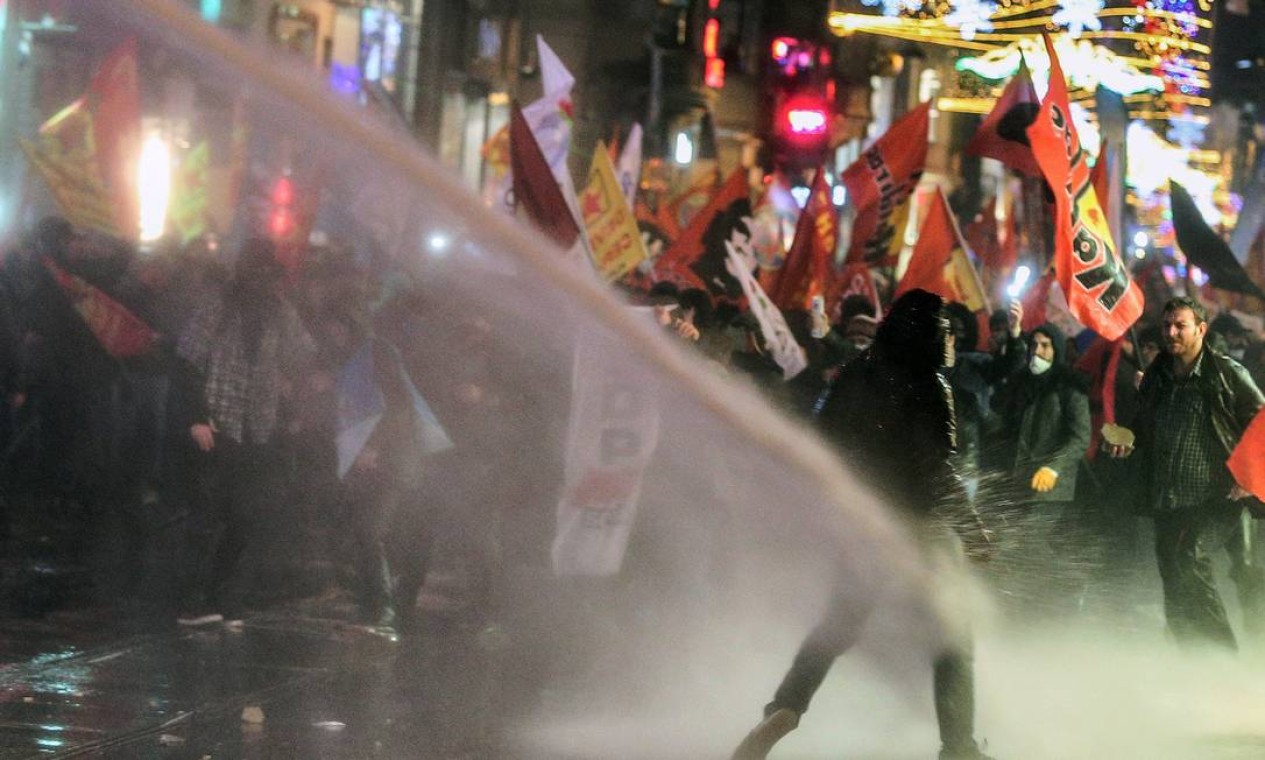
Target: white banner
614,431
788,354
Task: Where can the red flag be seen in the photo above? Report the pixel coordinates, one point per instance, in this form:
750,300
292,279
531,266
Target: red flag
1001,136
939,262
1094,279
1100,361
120,332
807,270
536,190
1247,461
880,183
115,101
677,264
854,280
1035,302
688,246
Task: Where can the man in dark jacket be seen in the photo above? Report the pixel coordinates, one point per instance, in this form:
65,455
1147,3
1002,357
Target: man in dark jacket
1045,415
1195,405
891,414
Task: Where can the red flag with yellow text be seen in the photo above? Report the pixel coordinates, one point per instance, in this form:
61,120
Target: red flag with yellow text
880,184
807,270
1093,278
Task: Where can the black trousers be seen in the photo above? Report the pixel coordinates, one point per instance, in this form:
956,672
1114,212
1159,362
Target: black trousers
953,670
1186,541
241,487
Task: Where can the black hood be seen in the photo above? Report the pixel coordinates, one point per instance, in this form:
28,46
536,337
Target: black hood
912,334
1058,339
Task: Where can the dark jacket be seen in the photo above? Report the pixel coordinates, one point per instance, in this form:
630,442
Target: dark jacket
1229,393
891,413
1046,424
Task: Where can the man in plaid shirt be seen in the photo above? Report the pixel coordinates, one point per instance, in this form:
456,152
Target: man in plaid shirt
239,347
1195,405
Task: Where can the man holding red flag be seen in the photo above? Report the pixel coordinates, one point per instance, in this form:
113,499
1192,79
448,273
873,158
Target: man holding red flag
1099,291
1195,405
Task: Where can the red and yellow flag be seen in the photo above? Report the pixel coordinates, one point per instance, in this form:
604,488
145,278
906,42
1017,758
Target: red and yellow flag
615,241
65,155
120,332
1093,278
939,262
880,184
807,271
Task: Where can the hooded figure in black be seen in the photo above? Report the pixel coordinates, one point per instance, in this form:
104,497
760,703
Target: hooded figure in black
890,413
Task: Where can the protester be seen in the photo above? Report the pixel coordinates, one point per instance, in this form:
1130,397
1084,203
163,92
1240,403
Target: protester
239,348
973,375
891,414
1045,427
1195,405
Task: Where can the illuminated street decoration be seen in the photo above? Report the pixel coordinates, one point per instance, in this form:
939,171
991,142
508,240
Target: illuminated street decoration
1087,65
893,8
1152,162
1079,15
971,16
1187,130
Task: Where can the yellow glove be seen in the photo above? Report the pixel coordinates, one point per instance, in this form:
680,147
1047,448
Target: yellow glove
1044,479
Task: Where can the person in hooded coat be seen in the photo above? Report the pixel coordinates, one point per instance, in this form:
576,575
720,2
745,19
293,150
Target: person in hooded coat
1046,427
890,413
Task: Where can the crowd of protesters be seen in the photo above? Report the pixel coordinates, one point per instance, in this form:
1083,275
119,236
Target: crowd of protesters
171,475
207,475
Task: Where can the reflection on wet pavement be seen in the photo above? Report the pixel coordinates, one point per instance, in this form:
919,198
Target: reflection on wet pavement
73,686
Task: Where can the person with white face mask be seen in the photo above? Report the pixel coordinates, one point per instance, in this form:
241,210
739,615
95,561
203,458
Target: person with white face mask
1046,429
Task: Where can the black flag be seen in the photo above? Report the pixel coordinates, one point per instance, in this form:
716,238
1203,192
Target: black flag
1205,248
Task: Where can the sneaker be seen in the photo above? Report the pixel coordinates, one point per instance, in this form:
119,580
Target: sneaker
199,617
757,744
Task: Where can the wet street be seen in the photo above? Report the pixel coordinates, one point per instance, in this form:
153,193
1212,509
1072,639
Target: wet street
291,684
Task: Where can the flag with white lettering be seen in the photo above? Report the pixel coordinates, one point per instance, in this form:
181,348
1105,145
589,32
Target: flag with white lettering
1089,270
788,354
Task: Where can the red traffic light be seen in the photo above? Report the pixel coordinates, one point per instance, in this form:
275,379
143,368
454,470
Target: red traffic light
283,192
804,117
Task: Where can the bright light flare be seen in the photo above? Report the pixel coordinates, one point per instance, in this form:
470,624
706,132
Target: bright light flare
806,121
153,173
1019,281
684,150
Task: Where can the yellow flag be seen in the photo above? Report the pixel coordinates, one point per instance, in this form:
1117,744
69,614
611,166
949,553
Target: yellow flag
613,235
65,155
188,208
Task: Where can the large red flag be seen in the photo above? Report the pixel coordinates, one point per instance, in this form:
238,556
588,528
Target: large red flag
120,332
880,183
807,270
1101,362
1002,134
536,190
939,262
1247,461
115,101
1099,292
